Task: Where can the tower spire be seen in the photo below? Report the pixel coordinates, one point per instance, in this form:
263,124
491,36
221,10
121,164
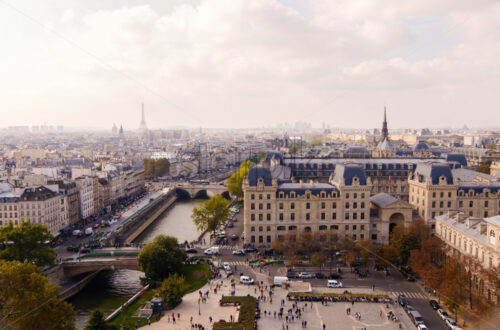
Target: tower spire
142,125
385,131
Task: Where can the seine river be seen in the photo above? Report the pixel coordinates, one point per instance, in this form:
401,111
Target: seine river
110,289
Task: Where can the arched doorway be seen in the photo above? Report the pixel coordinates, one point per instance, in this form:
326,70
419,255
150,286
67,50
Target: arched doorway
396,219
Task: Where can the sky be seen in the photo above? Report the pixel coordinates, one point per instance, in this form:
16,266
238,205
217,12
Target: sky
250,63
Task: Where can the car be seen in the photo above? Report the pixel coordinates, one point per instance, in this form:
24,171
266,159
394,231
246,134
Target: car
411,278
402,300
335,276
191,250
246,280
225,264
291,275
234,237
85,250
230,225
422,326
72,248
239,252
451,323
320,275
442,313
251,250
305,275
434,304
96,226
334,284
409,308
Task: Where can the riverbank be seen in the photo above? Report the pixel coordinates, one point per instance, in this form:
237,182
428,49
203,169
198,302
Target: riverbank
196,276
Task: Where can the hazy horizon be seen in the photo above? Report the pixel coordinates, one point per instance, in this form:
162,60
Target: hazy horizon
250,64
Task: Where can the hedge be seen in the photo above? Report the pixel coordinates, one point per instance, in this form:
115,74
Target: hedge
246,318
332,294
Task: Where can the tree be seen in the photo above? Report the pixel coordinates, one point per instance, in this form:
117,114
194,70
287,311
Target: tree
407,242
148,165
155,167
96,322
491,146
293,149
318,259
171,290
211,214
455,287
235,181
387,255
365,249
485,168
429,261
161,258
28,243
28,301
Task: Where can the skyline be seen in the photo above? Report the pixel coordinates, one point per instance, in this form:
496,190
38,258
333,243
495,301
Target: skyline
240,64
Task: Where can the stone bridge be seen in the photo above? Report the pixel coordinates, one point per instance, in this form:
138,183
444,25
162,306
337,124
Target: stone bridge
71,269
200,190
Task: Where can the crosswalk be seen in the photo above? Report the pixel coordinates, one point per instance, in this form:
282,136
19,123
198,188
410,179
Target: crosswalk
409,294
237,263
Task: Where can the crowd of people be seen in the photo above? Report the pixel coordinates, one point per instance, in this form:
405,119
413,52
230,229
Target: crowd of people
341,298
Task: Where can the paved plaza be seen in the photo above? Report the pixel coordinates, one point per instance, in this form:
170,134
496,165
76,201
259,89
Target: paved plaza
332,315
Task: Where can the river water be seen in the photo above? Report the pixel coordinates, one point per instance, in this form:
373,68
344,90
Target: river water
110,289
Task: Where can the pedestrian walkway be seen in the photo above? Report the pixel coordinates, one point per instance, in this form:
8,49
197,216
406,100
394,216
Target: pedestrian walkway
238,263
409,294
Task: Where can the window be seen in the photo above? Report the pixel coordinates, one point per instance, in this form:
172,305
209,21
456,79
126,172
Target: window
281,206
433,215
374,225
374,237
292,206
346,227
471,203
252,206
362,205
334,227
347,216
441,194
308,206
268,228
346,205
354,215
268,217
268,239
268,206
261,228
268,196
485,203
362,236
354,205
433,204
362,195
322,216
460,204
323,205
292,216
485,214
449,194
281,216
362,227
434,194
260,196
252,239
260,206
252,196
260,239
252,228
354,227
308,216
334,205
355,196
347,195
449,204
260,217
441,204
362,215
334,216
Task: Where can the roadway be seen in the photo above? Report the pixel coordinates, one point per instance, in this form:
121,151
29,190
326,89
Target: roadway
127,212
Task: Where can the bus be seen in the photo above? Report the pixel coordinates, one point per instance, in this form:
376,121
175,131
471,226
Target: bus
199,182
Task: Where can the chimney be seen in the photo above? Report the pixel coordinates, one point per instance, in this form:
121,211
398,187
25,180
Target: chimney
311,183
301,182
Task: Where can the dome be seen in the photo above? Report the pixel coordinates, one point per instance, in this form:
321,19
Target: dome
420,146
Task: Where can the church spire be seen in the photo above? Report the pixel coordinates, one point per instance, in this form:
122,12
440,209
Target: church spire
385,131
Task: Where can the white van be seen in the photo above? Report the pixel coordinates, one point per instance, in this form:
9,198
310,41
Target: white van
278,280
88,231
76,232
214,250
246,280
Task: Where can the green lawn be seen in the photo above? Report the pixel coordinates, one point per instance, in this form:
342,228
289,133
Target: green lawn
196,276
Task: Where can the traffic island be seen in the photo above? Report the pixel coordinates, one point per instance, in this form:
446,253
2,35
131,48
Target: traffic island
246,316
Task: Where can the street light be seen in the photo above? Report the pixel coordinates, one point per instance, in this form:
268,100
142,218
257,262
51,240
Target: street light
199,310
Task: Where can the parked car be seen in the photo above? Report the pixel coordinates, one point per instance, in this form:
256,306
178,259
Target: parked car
191,250
234,237
85,250
320,275
230,225
335,276
442,313
334,284
434,304
305,275
422,326
251,250
72,248
246,280
239,252
291,275
409,308
416,317
451,323
411,278
214,250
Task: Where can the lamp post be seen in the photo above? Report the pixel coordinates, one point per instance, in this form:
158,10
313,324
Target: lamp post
199,310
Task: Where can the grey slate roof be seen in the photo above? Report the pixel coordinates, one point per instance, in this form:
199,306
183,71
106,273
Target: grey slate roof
434,171
382,199
467,180
421,145
257,172
459,158
348,171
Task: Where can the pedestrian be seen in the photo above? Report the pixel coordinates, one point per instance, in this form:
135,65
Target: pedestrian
373,287
136,325
210,319
324,326
191,320
178,315
274,314
173,320
149,321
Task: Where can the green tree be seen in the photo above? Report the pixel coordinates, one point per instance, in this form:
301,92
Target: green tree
404,242
293,149
491,146
171,290
161,167
96,322
148,165
365,249
161,258
319,259
28,243
235,181
316,141
28,301
485,168
211,214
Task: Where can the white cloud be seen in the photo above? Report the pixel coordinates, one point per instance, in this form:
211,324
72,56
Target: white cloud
251,63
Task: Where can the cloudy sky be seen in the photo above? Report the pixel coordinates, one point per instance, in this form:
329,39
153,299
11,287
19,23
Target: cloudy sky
250,63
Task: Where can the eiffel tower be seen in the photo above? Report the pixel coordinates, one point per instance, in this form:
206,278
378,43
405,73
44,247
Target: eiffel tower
143,126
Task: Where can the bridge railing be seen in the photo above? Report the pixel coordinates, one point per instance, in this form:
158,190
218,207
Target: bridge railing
123,254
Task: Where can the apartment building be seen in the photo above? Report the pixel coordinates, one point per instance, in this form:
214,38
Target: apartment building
86,193
43,206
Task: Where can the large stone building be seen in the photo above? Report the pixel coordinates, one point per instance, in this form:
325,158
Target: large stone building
275,206
41,205
85,186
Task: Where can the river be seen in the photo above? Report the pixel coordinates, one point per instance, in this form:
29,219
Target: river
110,289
